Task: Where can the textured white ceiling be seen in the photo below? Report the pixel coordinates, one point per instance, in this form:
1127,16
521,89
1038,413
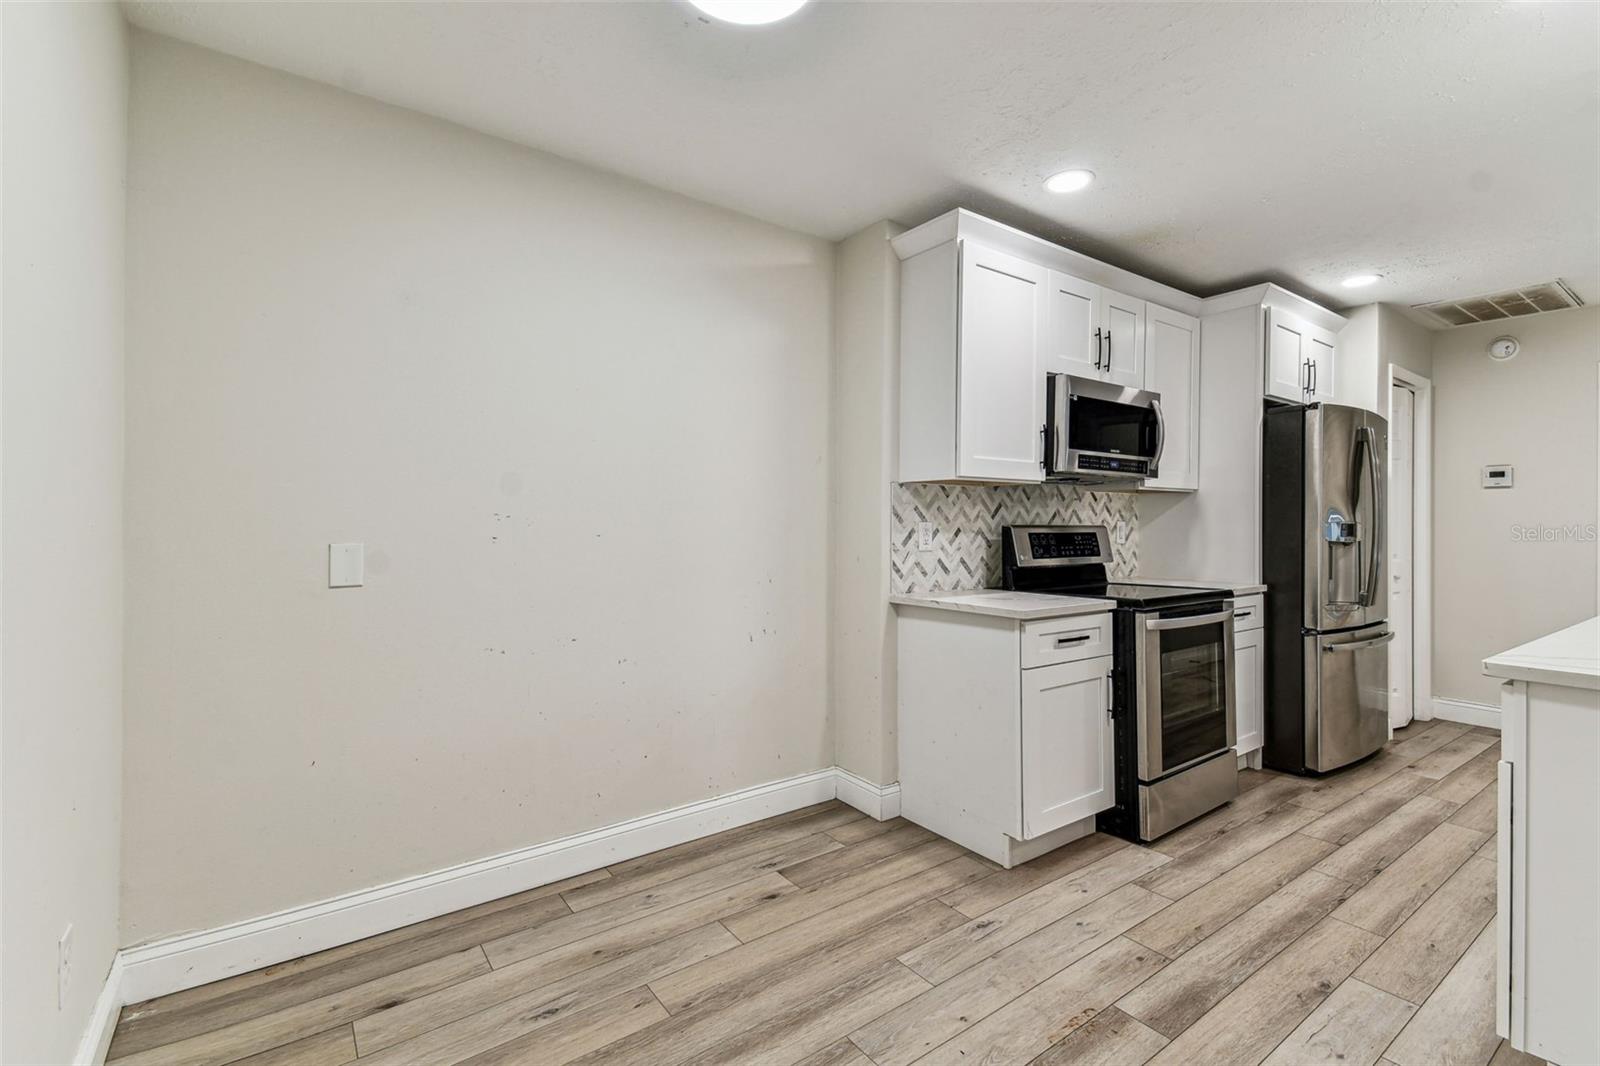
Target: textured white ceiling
1452,148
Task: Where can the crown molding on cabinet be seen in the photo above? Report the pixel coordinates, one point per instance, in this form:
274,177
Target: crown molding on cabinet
1279,299
962,224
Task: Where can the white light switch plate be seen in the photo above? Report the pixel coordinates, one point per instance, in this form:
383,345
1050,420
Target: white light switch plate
346,566
924,536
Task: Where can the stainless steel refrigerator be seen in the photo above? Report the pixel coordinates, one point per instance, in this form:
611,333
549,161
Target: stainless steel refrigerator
1324,484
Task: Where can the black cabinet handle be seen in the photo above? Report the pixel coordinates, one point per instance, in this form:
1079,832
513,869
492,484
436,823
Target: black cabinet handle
1097,349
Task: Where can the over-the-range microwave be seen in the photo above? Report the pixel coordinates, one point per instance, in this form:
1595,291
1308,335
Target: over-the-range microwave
1097,433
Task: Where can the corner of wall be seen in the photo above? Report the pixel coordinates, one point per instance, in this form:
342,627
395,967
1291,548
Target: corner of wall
862,439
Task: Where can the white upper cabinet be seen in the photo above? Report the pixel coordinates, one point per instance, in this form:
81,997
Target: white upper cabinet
1094,332
1319,350
1172,368
1300,359
1000,409
987,313
972,325
1072,342
1122,322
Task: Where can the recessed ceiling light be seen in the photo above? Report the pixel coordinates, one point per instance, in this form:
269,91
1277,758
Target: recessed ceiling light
1069,180
1361,281
749,12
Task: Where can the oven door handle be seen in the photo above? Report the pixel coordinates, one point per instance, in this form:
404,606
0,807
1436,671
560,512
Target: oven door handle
1188,622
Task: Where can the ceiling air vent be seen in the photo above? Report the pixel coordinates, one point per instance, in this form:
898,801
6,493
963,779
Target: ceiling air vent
1550,296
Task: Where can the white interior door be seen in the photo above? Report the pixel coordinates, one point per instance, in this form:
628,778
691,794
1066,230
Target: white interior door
1402,519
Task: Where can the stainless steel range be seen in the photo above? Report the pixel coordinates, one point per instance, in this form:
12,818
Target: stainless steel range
1173,693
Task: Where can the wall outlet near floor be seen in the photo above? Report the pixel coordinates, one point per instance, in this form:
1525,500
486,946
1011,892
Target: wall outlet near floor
924,536
63,967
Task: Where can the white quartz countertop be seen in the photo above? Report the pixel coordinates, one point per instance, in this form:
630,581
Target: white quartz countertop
1232,586
1022,606
1569,657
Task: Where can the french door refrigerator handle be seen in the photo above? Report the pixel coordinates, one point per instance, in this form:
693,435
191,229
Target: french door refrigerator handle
1357,645
1375,546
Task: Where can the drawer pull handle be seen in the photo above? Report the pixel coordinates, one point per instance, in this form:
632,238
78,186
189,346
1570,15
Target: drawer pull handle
1242,614
1062,642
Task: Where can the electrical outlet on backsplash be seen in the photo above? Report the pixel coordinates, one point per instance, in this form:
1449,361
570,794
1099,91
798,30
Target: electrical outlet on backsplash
967,520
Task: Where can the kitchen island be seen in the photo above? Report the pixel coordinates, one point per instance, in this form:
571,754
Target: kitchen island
1548,914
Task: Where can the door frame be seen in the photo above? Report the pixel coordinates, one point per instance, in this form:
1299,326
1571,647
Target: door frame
1421,532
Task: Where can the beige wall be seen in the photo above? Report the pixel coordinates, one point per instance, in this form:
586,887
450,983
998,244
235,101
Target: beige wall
1493,591
581,426
61,367
1402,343
865,405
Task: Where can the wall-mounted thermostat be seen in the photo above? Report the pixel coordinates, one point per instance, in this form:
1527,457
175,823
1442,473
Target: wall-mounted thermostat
1498,477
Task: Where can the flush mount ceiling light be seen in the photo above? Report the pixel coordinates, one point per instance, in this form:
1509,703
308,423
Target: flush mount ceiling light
1361,281
749,12
1069,180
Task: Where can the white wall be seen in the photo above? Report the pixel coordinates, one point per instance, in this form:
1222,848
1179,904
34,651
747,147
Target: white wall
1493,590
865,412
1376,337
61,377
582,427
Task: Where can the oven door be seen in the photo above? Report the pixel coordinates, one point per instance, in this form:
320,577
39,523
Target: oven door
1185,688
1098,430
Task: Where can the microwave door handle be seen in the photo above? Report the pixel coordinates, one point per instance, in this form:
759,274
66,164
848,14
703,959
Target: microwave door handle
1161,438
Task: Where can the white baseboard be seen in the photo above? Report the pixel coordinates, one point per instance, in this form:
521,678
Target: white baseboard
181,962
103,1022
879,801
1467,712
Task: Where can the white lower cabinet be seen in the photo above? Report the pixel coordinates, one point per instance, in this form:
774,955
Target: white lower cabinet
1006,739
1249,678
1068,761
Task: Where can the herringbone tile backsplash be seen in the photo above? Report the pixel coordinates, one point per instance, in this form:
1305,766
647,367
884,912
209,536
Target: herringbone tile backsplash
966,529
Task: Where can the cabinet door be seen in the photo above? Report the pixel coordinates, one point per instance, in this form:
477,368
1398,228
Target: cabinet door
1072,341
1319,351
1122,319
1249,677
1287,355
1000,390
1067,770
1172,368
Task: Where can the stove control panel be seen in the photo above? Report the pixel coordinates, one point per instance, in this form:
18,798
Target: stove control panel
1074,545
1057,545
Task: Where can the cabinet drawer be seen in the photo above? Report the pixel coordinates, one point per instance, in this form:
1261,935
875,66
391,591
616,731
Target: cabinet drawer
1249,612
1064,640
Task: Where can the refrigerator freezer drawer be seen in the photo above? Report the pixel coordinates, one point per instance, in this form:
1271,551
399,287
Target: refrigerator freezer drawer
1347,702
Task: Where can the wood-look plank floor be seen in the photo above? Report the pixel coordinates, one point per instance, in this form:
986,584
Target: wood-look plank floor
1345,920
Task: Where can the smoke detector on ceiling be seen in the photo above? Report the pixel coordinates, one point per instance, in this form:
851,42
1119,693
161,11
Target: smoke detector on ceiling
1502,349
1530,300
